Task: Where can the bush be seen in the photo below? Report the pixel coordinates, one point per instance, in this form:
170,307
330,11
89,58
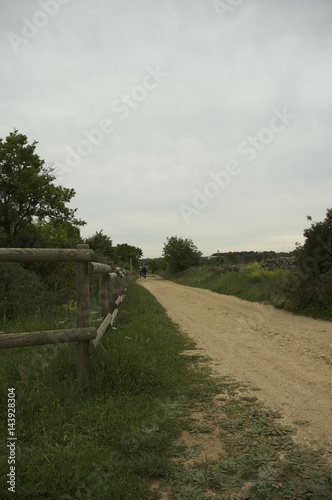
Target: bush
312,294
315,255
180,254
21,292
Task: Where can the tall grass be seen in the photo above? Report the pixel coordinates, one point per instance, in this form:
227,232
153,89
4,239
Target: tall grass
111,439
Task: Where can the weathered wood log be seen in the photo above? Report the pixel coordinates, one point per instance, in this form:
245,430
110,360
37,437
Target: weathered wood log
108,322
26,339
82,318
105,304
114,315
97,267
46,254
100,333
113,289
119,300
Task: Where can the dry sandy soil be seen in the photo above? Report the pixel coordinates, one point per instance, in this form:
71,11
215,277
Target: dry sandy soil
287,357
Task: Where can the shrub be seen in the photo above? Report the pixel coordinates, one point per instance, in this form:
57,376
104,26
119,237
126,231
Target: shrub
312,294
21,292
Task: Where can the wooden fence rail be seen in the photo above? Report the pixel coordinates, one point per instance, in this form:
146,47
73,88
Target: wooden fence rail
27,339
112,285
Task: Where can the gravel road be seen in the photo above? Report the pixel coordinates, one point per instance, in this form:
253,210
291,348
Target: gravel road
287,357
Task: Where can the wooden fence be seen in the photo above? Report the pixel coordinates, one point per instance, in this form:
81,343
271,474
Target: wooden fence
112,285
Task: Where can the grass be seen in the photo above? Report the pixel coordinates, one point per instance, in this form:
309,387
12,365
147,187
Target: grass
259,459
124,433
108,441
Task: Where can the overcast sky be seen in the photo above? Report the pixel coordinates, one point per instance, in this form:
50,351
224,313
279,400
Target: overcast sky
208,120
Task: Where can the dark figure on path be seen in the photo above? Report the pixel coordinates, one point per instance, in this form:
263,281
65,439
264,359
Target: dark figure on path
144,271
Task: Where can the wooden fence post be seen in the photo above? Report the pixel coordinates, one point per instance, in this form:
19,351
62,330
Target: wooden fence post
112,289
104,293
82,318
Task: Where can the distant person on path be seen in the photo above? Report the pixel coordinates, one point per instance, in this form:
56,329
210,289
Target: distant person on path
144,271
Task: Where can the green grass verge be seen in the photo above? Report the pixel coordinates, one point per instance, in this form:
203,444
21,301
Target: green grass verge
122,434
106,442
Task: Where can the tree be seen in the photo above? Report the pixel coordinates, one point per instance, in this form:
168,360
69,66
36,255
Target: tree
101,244
315,255
57,234
154,265
126,253
27,192
180,254
119,254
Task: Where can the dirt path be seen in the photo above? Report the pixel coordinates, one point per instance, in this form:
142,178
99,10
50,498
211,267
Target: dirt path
287,357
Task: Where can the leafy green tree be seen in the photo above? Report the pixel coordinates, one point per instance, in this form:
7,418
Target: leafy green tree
180,254
119,254
101,244
27,192
154,265
51,234
126,253
58,234
315,255
310,287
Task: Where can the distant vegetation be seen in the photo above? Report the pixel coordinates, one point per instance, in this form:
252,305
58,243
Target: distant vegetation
283,288
34,213
180,254
298,281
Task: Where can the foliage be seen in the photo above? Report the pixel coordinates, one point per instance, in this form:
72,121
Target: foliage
46,234
101,244
21,293
58,277
315,255
124,254
243,257
311,295
311,286
120,254
113,439
57,234
27,192
155,265
180,254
